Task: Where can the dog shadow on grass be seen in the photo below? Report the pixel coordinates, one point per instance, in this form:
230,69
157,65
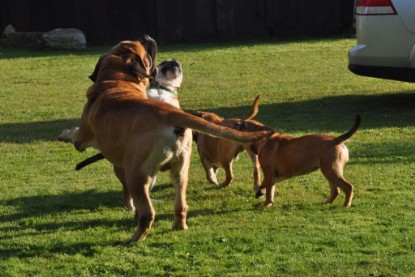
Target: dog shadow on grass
76,211
327,114
334,113
35,131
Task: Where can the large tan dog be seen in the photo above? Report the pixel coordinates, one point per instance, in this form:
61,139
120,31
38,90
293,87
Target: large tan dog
282,157
216,152
140,136
164,86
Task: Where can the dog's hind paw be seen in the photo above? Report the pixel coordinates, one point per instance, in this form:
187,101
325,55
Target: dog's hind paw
264,205
65,136
68,134
268,204
178,227
131,240
224,184
260,193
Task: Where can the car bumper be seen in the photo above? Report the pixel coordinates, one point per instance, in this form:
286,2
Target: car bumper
392,73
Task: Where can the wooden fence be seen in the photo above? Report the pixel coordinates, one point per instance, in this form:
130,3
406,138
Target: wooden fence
181,21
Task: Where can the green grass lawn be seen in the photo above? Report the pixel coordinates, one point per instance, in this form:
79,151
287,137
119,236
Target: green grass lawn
59,222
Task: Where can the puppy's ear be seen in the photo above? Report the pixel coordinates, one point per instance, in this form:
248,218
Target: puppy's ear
94,74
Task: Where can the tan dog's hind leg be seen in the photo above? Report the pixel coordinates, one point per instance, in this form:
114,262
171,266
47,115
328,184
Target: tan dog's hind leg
269,196
334,174
210,172
128,201
257,171
180,205
138,186
334,192
269,184
228,173
180,177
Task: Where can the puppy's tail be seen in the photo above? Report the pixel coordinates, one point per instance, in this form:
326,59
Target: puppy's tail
350,133
89,161
186,120
254,110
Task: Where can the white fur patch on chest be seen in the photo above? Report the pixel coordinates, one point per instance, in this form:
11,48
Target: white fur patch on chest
163,95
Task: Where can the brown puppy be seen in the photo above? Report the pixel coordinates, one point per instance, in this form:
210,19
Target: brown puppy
216,152
140,136
283,156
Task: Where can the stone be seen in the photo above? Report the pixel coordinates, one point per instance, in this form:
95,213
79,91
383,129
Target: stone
25,39
8,30
70,38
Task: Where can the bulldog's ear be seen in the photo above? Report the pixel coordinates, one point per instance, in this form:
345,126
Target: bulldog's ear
94,74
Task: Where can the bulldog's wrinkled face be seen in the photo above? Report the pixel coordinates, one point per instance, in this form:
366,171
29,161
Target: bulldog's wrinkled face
133,58
170,73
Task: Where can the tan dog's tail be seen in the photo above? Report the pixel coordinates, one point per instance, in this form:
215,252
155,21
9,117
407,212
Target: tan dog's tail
186,120
350,133
254,110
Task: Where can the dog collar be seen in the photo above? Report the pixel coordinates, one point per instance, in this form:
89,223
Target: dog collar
156,85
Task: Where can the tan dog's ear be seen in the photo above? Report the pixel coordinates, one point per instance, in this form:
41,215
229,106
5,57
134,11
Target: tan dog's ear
151,48
137,66
94,74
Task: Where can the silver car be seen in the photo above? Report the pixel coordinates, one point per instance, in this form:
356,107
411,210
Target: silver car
385,47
